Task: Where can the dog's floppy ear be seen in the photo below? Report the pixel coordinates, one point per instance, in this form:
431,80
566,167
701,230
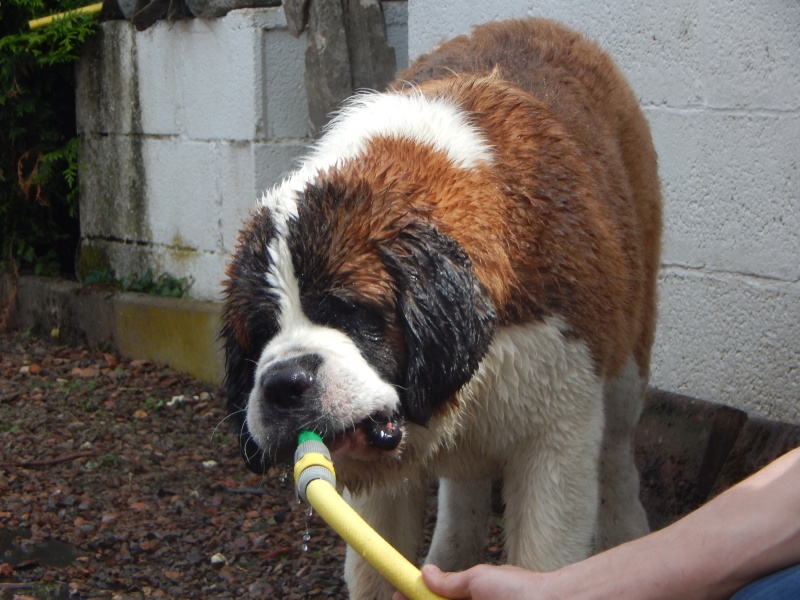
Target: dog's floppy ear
239,379
447,316
248,323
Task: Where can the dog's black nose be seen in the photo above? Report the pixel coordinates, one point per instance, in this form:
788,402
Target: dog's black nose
286,382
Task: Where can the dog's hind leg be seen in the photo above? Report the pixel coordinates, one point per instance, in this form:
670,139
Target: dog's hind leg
462,520
621,516
397,514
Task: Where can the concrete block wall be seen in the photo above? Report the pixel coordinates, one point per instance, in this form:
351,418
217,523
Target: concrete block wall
182,127
720,85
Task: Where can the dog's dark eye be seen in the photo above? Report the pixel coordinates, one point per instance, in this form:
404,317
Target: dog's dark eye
353,318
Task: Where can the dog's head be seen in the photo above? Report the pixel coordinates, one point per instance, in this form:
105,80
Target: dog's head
347,315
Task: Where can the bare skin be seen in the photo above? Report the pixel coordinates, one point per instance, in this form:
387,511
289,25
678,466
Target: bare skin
747,532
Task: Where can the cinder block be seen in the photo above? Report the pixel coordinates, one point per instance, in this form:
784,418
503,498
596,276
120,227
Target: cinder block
395,13
284,90
161,65
220,79
268,164
681,445
656,45
184,192
750,57
206,269
274,160
113,180
107,97
729,339
731,186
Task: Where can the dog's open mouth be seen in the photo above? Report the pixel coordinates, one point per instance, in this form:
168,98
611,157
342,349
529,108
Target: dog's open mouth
373,433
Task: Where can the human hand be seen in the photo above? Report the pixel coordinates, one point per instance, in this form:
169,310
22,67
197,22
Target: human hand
483,582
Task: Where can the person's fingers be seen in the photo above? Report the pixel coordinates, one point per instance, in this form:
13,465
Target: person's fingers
449,585
438,582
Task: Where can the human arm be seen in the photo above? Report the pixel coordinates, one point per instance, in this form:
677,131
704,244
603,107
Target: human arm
749,531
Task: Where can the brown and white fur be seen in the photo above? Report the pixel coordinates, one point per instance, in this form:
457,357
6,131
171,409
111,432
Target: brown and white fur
471,258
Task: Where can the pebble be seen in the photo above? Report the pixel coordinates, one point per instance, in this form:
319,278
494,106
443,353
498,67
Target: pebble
219,560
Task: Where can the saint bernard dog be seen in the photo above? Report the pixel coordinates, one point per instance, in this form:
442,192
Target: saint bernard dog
458,283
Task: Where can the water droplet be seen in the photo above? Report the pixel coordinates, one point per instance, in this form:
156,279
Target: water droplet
307,537
310,511
304,547
282,477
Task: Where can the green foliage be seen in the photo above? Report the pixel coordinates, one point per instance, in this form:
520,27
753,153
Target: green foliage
38,139
153,404
109,461
99,277
161,285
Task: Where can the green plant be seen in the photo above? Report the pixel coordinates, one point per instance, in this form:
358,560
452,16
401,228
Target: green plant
162,285
99,276
153,404
221,438
89,404
109,460
38,140
9,427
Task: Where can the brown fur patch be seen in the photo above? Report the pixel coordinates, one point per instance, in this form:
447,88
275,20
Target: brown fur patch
574,182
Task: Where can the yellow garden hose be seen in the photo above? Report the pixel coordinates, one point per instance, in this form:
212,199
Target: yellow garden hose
316,484
44,21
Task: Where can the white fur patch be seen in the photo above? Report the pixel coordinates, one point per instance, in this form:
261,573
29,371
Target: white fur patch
353,390
533,410
435,122
532,377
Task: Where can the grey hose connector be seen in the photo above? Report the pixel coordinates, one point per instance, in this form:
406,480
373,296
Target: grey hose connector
312,444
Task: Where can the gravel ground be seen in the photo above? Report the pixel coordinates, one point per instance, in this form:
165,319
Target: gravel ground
120,479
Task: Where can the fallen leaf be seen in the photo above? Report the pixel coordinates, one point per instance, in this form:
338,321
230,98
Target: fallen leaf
87,372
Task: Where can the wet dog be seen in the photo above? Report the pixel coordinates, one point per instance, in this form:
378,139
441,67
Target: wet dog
459,282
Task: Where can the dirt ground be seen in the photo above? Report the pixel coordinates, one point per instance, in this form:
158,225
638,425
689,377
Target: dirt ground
120,479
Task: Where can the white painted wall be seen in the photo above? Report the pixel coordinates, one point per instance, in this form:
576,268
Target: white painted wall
720,84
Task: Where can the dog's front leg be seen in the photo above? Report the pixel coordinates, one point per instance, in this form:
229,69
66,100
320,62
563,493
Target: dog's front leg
459,539
551,493
397,514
